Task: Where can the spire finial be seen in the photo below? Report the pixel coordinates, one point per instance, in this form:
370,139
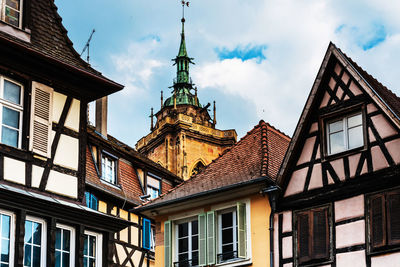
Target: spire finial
184,3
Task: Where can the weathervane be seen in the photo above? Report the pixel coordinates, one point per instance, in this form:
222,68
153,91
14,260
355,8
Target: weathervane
183,8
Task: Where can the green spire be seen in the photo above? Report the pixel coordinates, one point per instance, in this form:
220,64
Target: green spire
182,48
182,60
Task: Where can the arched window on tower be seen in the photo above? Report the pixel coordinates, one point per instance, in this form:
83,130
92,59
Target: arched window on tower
197,168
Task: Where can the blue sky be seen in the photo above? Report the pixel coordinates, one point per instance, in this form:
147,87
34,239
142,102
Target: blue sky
258,59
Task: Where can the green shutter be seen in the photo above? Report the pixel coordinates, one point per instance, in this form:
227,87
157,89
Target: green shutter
241,226
202,239
167,244
211,255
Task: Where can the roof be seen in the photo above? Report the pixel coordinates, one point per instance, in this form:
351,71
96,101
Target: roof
257,155
183,97
387,100
49,38
130,188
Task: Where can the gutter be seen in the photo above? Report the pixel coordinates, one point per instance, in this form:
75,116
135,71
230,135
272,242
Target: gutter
272,192
201,194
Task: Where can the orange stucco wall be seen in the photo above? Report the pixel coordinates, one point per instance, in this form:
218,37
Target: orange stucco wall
259,231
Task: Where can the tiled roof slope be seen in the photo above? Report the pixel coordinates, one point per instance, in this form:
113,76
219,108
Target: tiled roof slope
388,96
257,154
49,37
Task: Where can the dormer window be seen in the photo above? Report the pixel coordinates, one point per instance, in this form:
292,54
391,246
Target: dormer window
11,12
344,133
108,168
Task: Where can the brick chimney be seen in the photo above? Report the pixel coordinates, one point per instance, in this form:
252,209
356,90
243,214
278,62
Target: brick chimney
101,116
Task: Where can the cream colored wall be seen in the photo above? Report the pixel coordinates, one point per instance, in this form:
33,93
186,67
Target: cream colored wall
58,105
72,120
37,173
67,154
62,184
14,170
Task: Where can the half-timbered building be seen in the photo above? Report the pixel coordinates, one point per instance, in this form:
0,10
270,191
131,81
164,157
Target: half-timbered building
118,178
221,216
44,91
340,202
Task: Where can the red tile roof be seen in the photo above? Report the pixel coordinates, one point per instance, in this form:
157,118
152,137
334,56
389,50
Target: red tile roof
258,154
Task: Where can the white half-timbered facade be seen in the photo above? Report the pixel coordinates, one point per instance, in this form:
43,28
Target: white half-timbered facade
340,202
44,91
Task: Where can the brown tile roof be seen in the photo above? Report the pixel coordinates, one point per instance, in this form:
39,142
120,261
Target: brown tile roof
49,37
258,154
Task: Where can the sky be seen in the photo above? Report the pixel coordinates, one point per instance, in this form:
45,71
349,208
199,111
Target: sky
256,58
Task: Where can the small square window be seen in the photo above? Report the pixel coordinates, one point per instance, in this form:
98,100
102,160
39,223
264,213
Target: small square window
91,201
92,249
153,187
35,242
65,246
344,134
11,11
108,168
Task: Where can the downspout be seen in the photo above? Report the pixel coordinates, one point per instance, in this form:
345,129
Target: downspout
273,192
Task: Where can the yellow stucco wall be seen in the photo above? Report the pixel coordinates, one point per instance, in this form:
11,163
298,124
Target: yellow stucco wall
260,210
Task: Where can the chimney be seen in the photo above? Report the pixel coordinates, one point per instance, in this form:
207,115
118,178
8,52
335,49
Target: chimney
101,116
151,116
215,115
162,99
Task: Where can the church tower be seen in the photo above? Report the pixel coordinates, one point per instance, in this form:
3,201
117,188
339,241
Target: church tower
184,138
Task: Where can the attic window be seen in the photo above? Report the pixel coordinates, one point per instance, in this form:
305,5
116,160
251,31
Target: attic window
11,12
108,168
344,133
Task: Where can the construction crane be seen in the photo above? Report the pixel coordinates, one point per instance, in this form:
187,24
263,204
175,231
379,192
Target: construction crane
87,46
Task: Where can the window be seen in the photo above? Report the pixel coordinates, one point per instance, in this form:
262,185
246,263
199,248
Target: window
108,168
211,238
11,110
7,238
345,133
34,243
92,249
65,246
187,244
11,11
384,220
153,187
91,201
313,235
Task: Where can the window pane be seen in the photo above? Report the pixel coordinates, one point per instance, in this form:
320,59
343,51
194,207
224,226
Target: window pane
12,92
12,17
92,262
356,138
183,245
10,117
336,142
36,257
195,227
27,256
85,245
227,220
66,239
183,257
13,3
227,236
195,258
354,121
336,126
195,243
92,246
58,238
28,232
65,259
227,252
37,233
58,259
5,227
183,229
394,218
9,136
5,250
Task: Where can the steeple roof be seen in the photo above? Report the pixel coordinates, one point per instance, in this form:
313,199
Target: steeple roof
182,47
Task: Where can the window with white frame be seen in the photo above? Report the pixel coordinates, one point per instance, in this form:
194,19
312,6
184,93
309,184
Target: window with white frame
153,187
7,233
92,254
35,243
11,110
187,243
345,133
65,246
215,237
11,12
108,168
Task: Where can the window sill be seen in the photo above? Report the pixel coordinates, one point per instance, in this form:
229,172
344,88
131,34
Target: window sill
110,184
238,262
23,35
384,250
344,153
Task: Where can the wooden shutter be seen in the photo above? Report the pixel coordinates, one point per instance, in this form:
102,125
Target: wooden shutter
377,224
202,239
241,226
41,119
320,235
167,244
303,237
146,233
393,217
211,253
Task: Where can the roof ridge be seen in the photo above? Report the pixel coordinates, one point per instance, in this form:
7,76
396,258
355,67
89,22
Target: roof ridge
264,148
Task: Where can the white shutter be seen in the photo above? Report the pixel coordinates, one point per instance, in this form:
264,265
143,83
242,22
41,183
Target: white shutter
41,119
242,236
211,253
202,239
167,244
